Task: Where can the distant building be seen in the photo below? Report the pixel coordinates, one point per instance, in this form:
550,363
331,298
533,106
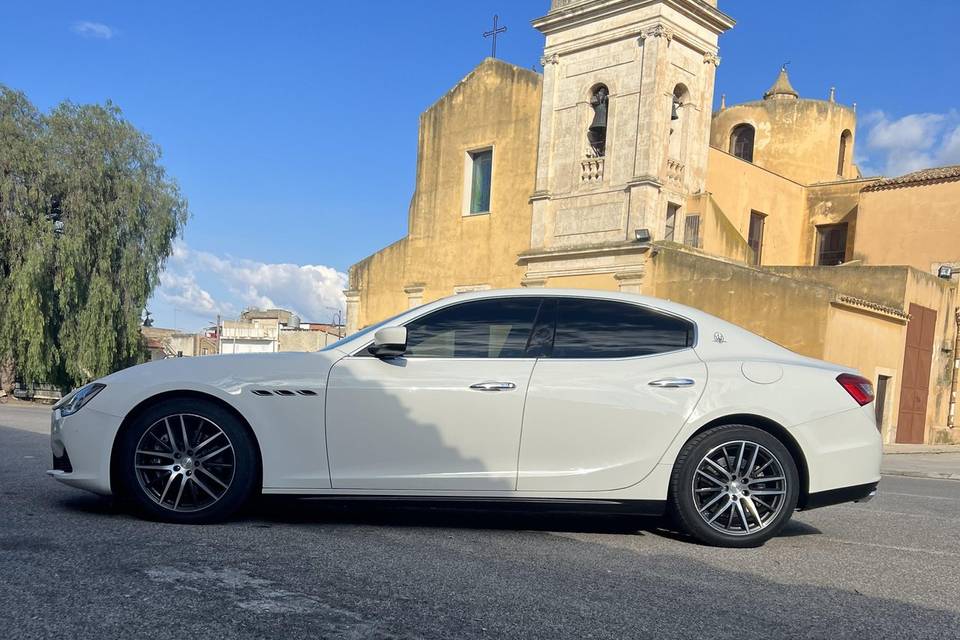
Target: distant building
170,343
272,330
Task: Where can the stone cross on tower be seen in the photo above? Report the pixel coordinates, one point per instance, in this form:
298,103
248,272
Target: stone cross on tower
494,33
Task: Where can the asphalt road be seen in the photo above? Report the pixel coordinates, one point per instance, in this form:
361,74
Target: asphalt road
72,566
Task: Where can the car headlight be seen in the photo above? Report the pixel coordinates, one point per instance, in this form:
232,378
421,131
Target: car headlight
75,401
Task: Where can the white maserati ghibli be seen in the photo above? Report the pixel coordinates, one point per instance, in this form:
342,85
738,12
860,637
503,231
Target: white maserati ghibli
561,398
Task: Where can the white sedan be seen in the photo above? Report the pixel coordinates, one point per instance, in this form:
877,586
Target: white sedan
564,398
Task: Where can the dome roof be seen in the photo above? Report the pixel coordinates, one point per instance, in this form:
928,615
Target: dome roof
782,89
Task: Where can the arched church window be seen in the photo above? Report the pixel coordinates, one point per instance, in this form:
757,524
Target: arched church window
844,146
597,132
741,142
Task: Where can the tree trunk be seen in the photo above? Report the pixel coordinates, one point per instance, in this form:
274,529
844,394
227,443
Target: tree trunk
6,376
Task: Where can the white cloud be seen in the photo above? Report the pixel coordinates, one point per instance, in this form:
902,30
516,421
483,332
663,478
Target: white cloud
313,292
183,292
894,146
87,29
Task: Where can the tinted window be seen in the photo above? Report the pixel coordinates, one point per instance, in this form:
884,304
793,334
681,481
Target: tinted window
604,329
496,328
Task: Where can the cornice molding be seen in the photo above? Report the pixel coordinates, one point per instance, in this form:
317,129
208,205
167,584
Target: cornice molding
571,14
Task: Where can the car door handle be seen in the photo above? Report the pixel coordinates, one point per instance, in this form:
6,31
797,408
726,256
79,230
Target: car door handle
493,386
669,383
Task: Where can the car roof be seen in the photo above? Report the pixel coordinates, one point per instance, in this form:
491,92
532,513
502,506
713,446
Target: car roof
541,292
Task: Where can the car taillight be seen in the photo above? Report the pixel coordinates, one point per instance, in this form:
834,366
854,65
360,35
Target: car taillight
859,388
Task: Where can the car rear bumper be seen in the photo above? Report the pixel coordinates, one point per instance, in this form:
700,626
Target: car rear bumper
842,451
858,493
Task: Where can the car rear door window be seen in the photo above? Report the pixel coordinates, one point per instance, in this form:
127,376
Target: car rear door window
491,328
607,329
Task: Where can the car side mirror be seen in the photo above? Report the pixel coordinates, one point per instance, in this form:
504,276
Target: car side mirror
389,342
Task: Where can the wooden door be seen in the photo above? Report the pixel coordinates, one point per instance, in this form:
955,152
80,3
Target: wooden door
915,381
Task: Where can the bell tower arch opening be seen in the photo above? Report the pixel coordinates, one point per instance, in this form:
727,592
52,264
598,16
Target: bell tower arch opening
597,131
679,125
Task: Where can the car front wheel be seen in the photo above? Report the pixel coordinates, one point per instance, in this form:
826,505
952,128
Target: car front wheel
734,486
186,461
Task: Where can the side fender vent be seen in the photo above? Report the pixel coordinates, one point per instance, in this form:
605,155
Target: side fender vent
284,392
307,392
262,392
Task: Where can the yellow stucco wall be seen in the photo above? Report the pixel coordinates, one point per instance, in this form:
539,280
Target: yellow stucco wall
790,312
860,344
793,210
739,187
916,225
497,105
830,203
798,139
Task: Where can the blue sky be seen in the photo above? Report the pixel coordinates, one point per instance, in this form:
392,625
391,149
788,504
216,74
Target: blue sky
292,126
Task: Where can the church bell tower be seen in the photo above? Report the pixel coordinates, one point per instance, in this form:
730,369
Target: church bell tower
624,133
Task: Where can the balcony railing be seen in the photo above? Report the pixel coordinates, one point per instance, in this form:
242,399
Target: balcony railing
591,170
675,170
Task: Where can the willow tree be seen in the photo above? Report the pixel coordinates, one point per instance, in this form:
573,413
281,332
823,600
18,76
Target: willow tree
88,218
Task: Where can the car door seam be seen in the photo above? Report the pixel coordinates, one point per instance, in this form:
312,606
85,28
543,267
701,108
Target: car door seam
326,405
523,414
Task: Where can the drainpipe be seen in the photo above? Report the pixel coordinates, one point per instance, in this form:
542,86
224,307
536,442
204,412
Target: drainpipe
952,415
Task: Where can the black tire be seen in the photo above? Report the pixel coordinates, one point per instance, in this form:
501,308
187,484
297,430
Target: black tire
683,485
141,493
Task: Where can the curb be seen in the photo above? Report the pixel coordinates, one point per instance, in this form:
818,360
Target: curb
920,474
934,450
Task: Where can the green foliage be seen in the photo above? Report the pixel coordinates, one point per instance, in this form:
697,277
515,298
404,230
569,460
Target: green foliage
87,218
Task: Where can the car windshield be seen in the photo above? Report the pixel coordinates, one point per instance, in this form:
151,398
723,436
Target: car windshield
359,334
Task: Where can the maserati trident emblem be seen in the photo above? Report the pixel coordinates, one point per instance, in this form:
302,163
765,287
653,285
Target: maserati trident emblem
718,338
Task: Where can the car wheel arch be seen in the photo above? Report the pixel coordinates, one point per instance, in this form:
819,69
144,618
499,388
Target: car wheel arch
775,429
147,403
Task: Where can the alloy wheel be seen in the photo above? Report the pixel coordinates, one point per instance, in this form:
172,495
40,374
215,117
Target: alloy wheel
739,488
185,462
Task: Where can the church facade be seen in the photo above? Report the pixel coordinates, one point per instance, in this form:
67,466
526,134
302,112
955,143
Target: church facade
610,171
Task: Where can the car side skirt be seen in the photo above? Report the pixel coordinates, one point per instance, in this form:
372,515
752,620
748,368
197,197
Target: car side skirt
542,505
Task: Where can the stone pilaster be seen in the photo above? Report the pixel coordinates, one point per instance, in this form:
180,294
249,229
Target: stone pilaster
353,310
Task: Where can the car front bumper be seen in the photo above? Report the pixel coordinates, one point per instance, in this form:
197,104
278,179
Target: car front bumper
81,445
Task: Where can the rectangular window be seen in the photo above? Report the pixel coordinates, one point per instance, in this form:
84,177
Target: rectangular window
755,235
670,229
831,244
691,230
481,175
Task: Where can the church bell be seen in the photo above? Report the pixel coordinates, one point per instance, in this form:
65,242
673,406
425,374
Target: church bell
599,124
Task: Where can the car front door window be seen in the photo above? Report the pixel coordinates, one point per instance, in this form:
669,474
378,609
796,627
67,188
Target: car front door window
496,328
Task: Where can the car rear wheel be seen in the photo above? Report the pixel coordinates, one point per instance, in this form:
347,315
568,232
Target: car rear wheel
186,461
734,486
